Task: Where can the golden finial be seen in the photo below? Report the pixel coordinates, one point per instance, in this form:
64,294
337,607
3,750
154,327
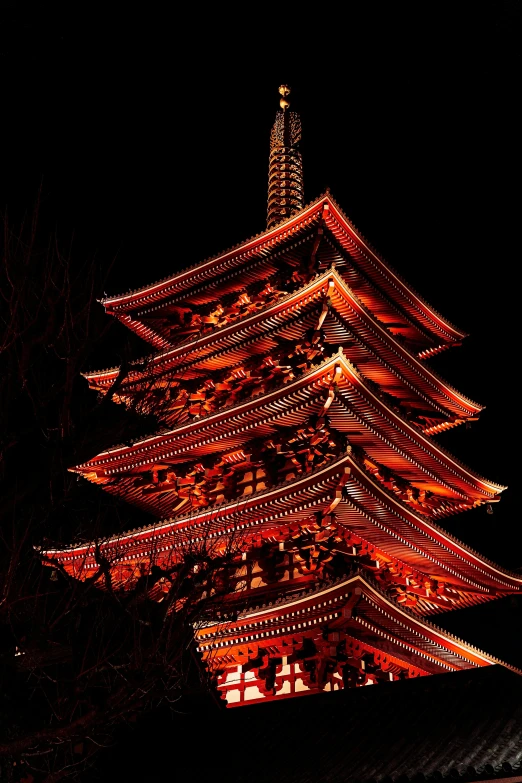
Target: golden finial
284,90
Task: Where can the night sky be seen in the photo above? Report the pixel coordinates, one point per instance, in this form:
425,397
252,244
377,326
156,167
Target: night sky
149,137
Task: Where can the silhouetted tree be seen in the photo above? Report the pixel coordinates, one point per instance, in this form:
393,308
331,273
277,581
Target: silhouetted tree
77,658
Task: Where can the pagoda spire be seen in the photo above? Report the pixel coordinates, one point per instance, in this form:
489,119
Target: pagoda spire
285,170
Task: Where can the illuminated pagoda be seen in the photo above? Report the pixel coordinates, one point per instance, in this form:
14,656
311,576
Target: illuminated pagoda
299,436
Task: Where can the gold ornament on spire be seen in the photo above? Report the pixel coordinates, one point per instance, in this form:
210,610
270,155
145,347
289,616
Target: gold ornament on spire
285,171
284,90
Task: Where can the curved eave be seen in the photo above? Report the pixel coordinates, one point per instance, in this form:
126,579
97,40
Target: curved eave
360,503
409,440
387,350
239,418
386,427
324,209
241,514
377,615
183,281
398,356
387,279
378,515
147,333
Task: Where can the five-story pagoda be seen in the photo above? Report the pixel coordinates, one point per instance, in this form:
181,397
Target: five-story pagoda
299,421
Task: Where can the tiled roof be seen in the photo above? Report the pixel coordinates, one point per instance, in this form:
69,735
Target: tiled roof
465,725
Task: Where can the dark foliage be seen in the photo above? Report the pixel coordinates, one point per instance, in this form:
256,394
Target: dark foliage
76,660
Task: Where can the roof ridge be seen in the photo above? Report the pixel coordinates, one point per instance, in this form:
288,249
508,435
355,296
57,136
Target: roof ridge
215,256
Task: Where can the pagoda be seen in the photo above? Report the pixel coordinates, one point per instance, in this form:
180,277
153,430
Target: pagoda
299,422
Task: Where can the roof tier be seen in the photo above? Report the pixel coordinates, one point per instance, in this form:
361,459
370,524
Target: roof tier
354,408
345,634
368,515
324,310
460,726
313,238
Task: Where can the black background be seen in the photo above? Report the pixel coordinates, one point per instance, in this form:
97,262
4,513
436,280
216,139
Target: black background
148,133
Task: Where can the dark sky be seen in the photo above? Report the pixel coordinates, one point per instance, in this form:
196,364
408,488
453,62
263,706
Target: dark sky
149,134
